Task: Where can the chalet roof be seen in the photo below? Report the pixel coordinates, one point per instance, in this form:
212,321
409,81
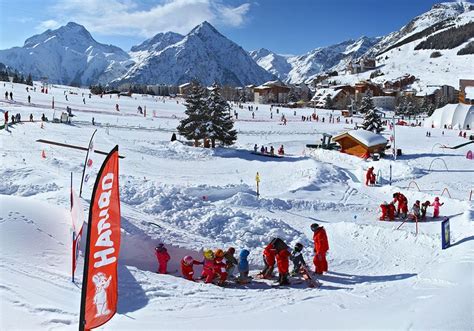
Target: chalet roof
322,93
364,137
184,85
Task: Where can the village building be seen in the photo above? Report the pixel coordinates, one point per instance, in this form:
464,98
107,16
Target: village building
361,65
385,102
466,91
339,98
271,92
361,143
184,89
400,82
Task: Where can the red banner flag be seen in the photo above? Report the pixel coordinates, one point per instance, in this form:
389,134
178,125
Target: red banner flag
99,285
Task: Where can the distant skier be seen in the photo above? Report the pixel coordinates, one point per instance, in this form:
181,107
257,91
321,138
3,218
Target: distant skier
436,204
93,121
31,117
163,257
244,267
255,148
368,176
402,204
6,95
297,259
29,98
187,267
11,96
262,150
281,151
321,246
117,107
6,117
272,150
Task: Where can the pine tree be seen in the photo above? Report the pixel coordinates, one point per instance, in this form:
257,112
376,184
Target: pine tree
400,109
410,109
194,126
292,96
431,108
367,104
423,109
220,126
372,121
328,102
29,80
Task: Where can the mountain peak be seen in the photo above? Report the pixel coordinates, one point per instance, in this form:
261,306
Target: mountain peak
204,28
158,42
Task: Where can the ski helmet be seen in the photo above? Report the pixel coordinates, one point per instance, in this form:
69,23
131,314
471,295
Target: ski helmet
219,253
188,260
314,226
395,195
208,254
298,247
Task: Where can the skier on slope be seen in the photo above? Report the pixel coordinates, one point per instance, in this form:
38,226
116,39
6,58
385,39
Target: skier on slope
163,257
321,246
436,204
384,210
283,264
244,267
269,254
230,261
415,210
368,176
220,266
297,259
208,270
187,267
402,204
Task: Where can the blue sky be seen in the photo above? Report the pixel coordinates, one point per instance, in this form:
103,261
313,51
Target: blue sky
283,26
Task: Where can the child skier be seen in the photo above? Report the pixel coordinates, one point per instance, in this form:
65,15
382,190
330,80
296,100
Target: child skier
368,176
391,211
436,204
269,260
297,259
424,207
282,259
321,246
208,270
163,257
384,210
220,267
187,269
415,210
230,261
244,267
402,204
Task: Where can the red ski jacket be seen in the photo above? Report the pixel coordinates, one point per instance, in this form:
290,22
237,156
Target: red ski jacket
162,256
283,261
188,270
269,253
321,245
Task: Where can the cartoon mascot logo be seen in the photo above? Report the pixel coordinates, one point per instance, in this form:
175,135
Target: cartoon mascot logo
100,298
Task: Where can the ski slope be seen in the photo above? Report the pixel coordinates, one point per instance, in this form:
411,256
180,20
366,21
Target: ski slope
379,277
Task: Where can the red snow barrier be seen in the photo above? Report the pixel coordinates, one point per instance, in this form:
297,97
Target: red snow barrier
446,190
413,182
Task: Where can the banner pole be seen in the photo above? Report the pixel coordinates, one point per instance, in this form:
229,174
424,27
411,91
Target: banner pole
72,254
85,163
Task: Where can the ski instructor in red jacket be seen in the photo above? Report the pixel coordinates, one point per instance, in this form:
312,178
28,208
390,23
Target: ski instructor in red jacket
321,247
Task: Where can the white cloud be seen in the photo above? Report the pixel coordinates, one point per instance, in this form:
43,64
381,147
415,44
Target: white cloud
49,24
125,17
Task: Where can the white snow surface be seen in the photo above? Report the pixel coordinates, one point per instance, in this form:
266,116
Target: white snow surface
367,138
379,277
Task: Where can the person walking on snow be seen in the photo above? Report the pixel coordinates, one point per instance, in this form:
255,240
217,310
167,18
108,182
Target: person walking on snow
255,148
244,267
230,261
297,259
283,264
321,246
208,272
436,204
368,176
163,257
269,254
402,204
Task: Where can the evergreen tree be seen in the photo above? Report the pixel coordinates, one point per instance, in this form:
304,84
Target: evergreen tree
367,104
194,126
372,121
423,109
400,109
410,109
431,108
16,79
292,96
328,102
29,80
220,126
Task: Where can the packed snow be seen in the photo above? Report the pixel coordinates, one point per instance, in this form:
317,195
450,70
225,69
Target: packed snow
191,198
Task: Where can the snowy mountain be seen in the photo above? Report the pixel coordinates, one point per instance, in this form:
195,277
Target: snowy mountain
67,55
274,63
203,54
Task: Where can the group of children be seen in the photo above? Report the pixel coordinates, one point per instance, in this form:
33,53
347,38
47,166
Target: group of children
418,211
218,266
264,150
